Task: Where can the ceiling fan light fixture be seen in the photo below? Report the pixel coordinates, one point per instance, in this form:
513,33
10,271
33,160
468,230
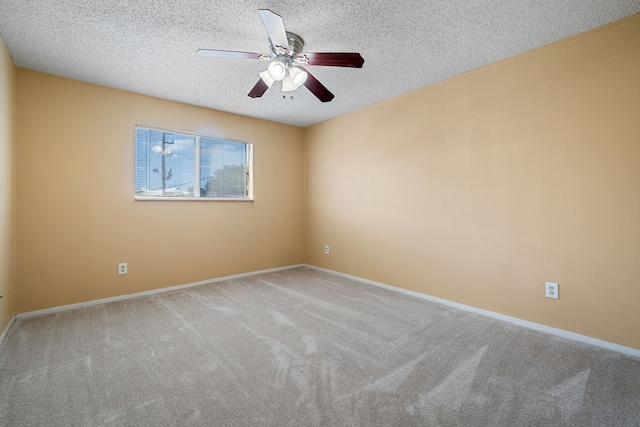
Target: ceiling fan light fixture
298,76
277,70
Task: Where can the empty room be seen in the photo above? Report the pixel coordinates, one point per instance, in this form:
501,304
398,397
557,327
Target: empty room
322,214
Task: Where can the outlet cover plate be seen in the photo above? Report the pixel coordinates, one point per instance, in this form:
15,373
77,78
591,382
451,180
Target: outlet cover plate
551,290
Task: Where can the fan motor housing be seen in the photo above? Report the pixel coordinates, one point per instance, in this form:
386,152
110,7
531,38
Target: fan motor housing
296,44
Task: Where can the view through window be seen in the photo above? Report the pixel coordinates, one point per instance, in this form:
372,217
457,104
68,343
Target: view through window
180,165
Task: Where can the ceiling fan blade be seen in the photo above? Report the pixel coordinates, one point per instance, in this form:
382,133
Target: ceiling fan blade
259,89
229,54
317,88
334,59
275,27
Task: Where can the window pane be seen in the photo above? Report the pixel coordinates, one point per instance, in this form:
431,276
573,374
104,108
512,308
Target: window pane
164,163
223,168
172,164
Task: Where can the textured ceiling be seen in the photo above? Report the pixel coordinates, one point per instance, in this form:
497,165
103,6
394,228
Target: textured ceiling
149,46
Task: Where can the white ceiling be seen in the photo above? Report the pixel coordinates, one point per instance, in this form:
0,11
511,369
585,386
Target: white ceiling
149,46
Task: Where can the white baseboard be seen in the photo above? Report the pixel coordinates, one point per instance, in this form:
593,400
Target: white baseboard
6,330
514,320
145,293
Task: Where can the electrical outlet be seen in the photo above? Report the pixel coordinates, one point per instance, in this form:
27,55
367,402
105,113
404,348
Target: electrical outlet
552,290
122,268
326,250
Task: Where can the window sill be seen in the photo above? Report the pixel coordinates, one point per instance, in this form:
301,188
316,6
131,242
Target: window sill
195,199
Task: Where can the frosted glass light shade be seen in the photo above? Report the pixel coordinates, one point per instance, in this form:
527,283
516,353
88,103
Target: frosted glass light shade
288,85
266,77
277,70
298,76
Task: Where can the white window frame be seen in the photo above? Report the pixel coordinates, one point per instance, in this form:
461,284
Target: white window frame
196,161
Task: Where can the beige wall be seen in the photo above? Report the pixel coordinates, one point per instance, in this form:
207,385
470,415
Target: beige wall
7,187
481,188
77,218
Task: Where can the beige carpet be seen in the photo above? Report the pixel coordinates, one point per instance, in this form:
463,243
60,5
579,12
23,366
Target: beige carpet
303,348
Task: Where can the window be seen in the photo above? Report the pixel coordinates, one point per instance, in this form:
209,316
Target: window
180,165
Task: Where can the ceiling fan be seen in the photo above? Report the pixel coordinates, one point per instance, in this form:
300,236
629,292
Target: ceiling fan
287,60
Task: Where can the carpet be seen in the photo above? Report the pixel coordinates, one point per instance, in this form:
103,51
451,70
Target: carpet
302,347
